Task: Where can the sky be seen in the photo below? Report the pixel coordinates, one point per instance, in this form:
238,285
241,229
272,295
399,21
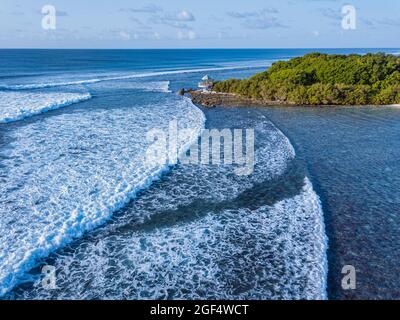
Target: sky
200,24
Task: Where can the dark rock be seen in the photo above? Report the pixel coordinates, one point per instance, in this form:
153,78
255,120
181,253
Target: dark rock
213,99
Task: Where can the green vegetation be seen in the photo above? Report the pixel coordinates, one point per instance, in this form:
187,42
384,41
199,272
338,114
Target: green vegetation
321,79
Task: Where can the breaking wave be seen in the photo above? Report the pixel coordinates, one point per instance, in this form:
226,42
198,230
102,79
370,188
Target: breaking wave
64,176
205,233
117,77
15,106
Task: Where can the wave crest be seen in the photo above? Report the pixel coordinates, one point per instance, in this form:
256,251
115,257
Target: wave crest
15,106
64,176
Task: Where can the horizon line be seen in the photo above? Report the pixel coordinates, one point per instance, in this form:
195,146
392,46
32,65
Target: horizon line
205,48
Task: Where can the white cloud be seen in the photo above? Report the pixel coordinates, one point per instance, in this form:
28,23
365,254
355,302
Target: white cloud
124,35
252,14
185,16
262,19
151,8
192,35
186,35
180,20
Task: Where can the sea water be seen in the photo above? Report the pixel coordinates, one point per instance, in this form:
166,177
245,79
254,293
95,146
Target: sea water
77,192
352,158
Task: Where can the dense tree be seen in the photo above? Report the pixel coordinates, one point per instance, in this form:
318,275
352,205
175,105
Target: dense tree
322,79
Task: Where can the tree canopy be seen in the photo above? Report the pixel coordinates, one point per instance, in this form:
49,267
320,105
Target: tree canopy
322,79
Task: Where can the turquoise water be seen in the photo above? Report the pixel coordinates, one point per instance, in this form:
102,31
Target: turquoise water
77,193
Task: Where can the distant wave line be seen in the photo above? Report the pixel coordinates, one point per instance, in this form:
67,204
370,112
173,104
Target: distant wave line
131,76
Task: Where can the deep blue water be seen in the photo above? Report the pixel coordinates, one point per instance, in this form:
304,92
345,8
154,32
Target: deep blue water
16,63
77,193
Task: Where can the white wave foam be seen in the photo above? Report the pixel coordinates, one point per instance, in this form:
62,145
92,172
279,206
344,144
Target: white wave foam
148,86
272,252
155,86
111,78
16,106
247,63
183,239
68,174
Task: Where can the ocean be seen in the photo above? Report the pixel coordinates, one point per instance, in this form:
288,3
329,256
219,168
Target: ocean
78,194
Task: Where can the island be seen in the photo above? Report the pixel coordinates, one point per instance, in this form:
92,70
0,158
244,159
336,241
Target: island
314,79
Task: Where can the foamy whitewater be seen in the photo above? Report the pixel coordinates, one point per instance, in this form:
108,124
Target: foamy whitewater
78,192
72,175
169,246
16,106
102,78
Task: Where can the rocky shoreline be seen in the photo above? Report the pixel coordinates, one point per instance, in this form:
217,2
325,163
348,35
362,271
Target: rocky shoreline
214,99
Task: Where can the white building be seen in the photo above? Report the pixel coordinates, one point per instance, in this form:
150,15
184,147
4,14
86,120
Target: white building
207,83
